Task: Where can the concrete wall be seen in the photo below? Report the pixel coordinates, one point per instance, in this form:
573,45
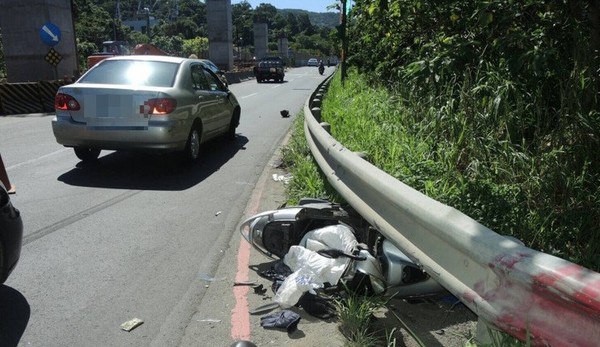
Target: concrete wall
261,39
24,50
220,46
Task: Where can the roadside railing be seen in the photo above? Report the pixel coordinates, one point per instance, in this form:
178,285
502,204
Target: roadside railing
523,292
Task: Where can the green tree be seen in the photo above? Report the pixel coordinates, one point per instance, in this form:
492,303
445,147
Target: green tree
184,27
170,44
242,20
305,25
265,13
196,46
292,26
92,23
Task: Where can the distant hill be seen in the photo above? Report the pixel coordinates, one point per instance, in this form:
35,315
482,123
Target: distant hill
321,19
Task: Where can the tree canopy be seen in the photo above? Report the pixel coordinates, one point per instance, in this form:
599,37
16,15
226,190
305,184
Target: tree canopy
185,32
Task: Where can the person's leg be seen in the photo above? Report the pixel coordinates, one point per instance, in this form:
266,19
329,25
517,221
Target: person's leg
4,178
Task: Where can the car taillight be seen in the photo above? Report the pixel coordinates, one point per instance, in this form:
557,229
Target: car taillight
162,105
65,102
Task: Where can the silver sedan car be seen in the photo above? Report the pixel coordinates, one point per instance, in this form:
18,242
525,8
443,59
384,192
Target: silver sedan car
144,102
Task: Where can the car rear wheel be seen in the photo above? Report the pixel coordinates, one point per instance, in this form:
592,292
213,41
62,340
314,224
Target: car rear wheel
87,153
233,124
192,147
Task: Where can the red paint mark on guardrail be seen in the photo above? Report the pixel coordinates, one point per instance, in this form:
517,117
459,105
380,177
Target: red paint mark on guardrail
558,307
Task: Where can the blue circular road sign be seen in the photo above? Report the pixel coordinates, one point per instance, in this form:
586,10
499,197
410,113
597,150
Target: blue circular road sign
50,34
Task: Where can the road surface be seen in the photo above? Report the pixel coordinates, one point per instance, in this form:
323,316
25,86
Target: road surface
135,235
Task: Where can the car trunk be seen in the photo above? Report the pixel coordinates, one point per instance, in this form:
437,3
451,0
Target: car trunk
111,106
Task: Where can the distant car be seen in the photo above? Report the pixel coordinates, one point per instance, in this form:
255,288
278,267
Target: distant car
156,103
312,62
11,235
270,68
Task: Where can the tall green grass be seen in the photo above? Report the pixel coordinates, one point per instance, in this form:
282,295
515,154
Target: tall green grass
471,147
464,148
307,180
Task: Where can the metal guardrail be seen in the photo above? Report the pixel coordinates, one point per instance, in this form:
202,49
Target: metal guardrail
526,293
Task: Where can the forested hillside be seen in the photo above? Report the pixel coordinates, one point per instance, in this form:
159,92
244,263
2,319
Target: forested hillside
325,19
489,106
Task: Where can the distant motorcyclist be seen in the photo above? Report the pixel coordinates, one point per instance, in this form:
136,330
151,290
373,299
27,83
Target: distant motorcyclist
321,67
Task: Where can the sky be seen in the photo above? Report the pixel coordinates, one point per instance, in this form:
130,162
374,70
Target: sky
309,5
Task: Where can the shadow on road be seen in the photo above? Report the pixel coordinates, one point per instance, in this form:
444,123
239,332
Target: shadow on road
14,316
147,171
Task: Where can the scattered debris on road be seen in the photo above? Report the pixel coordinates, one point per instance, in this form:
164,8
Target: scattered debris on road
282,178
131,324
285,319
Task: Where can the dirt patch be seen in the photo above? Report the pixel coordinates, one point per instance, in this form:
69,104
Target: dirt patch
441,321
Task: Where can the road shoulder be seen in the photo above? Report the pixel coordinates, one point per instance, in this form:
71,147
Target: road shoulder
215,322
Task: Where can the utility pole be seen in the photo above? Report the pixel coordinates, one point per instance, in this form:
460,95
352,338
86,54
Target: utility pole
147,10
117,19
344,42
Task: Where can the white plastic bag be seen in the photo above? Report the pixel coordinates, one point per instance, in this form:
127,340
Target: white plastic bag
293,287
310,269
338,236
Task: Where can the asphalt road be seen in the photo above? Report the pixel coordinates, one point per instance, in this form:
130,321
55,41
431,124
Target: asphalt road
135,236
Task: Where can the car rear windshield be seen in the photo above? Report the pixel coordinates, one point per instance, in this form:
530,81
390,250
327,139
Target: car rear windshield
133,72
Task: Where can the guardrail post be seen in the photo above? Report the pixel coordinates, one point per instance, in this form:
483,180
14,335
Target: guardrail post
316,111
326,126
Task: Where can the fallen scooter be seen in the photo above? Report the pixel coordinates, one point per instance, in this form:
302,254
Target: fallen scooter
332,248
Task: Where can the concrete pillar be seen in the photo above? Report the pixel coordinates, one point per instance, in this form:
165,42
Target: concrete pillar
282,45
220,46
261,40
24,48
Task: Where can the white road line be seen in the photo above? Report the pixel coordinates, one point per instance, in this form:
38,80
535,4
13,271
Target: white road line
36,159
